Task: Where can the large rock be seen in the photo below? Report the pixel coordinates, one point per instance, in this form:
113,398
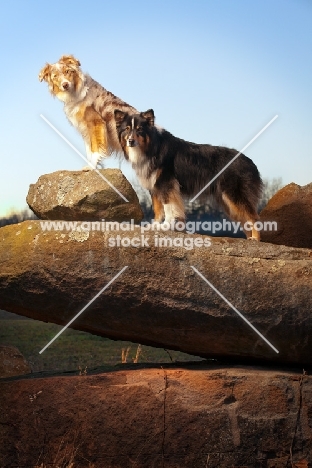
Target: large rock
191,417
159,300
12,362
291,208
84,196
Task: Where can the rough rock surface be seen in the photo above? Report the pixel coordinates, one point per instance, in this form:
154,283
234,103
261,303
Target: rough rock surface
84,196
12,362
192,417
159,300
291,208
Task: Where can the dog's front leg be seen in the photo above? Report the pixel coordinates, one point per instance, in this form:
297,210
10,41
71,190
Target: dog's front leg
167,201
158,208
93,159
96,138
174,212
174,205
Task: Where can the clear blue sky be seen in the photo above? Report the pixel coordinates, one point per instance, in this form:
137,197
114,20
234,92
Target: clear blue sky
213,71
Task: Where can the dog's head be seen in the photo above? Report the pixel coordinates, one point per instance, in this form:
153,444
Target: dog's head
134,129
64,77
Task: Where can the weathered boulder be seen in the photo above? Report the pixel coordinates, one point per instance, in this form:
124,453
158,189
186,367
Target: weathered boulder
191,417
291,208
12,362
159,299
84,196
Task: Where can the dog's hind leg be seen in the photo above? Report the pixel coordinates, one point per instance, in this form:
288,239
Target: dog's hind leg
244,213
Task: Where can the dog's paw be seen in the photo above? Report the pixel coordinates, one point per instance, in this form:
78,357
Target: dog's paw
87,168
94,159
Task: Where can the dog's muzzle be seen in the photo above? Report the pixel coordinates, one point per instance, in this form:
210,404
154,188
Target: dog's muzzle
131,142
65,86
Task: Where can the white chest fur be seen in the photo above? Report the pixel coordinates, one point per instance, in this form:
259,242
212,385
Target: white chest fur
141,165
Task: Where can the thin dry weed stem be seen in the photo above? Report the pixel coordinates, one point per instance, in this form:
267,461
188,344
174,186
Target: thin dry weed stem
124,354
138,353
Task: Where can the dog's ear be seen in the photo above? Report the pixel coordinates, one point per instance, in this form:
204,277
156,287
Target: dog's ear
149,116
119,117
69,60
43,75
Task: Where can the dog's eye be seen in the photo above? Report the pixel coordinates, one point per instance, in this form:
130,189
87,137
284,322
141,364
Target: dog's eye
139,128
128,128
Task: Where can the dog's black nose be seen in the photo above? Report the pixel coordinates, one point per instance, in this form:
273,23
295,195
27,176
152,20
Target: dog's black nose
131,142
65,86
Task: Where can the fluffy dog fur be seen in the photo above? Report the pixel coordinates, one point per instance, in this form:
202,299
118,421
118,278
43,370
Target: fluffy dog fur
87,105
170,167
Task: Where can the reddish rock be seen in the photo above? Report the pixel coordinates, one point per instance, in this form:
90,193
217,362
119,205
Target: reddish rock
291,208
12,362
84,196
193,417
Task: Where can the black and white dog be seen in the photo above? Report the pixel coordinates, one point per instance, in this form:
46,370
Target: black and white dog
170,167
